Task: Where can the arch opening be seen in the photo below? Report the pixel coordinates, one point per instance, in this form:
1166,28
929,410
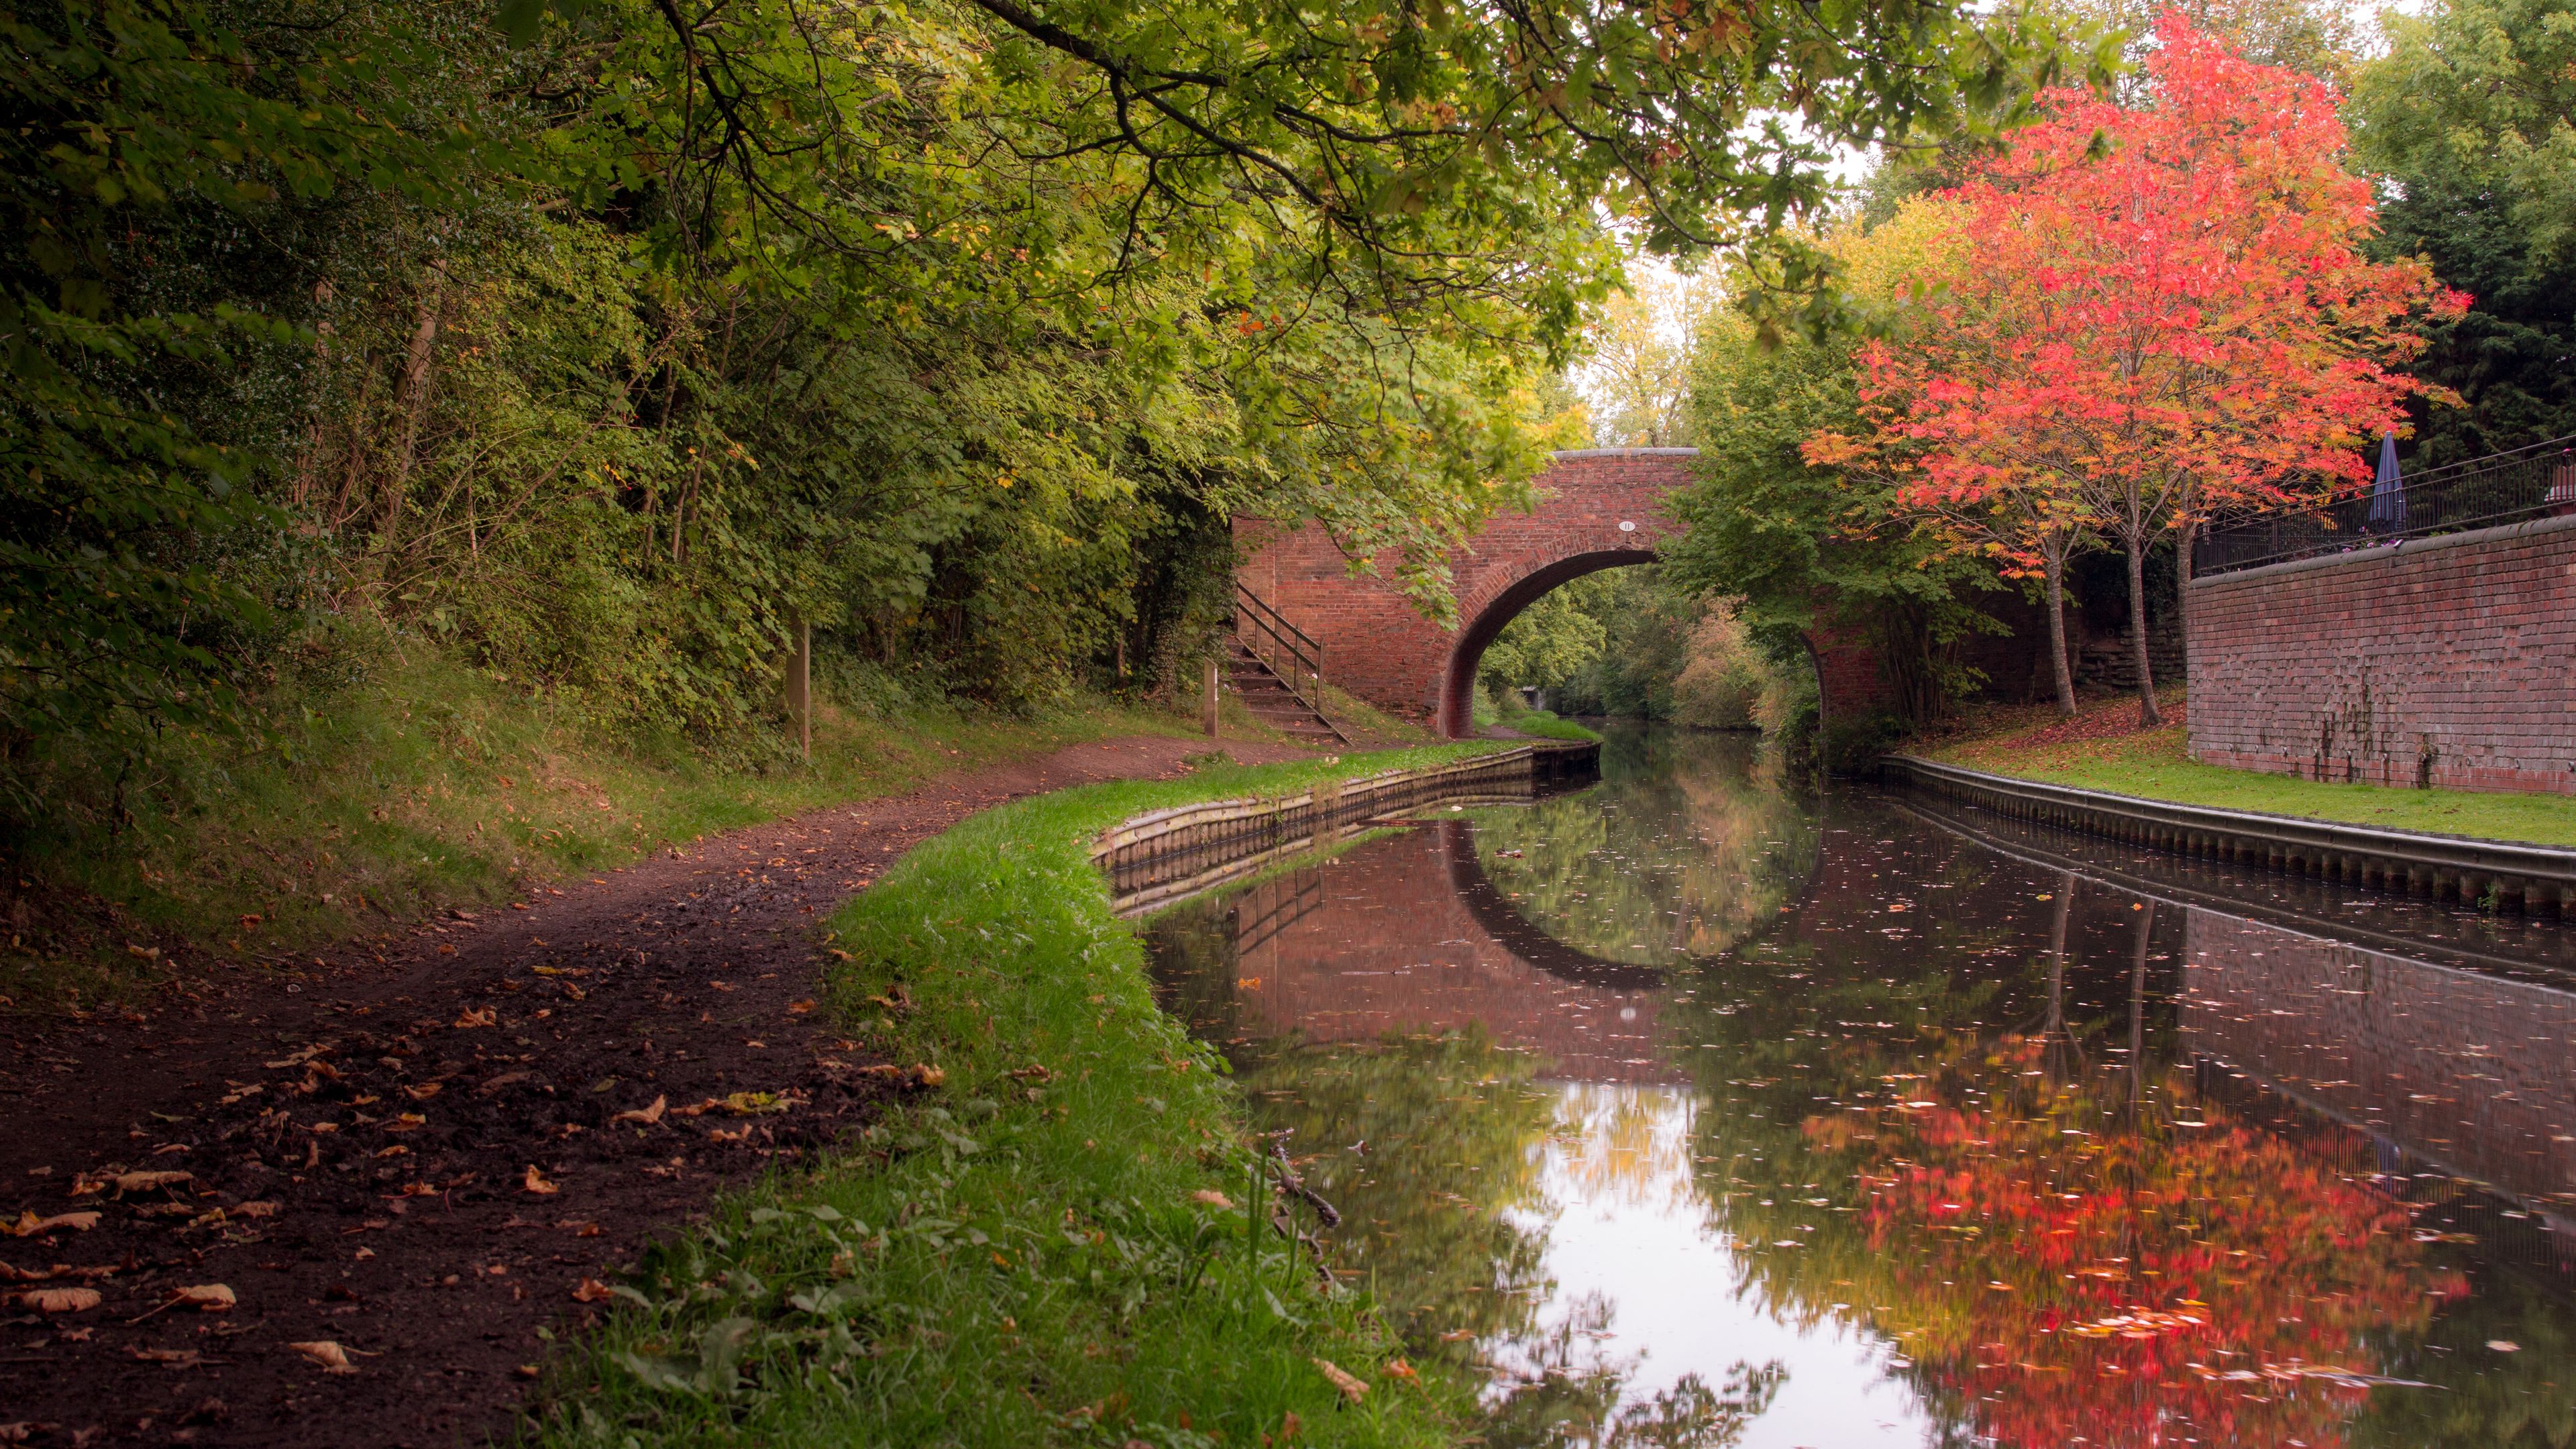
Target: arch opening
1456,718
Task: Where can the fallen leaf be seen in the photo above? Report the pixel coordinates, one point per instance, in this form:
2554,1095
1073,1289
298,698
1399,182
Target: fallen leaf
424,1091
2504,1345
1213,1199
256,1210
408,1121
799,1008
146,1181
59,1300
204,1297
646,1115
28,1431
174,1357
329,1356
484,1016
1352,1389
536,1182
28,1224
591,1290
929,1076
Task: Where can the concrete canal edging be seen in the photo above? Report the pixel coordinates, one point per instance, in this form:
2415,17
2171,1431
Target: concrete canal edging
2536,878
1164,855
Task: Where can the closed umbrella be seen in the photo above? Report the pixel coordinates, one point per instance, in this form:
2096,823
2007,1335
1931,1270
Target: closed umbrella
2388,493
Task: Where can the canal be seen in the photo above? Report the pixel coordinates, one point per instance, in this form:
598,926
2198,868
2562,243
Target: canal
1701,1108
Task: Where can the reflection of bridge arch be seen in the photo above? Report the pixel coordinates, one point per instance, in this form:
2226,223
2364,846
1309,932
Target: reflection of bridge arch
1491,909
1431,945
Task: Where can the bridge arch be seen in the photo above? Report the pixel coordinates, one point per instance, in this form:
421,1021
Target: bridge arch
1455,713
1598,508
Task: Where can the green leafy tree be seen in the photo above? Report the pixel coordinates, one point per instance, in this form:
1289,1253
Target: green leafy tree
2468,115
1808,549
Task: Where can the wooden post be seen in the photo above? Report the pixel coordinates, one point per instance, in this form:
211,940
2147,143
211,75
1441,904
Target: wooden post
1207,708
800,686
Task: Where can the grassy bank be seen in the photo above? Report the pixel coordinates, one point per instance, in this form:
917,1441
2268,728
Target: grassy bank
425,786
1544,724
2153,764
1053,1246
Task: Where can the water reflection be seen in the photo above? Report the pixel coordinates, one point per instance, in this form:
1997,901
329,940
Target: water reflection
1695,1111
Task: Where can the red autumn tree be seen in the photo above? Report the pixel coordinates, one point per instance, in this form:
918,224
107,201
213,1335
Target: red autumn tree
2154,313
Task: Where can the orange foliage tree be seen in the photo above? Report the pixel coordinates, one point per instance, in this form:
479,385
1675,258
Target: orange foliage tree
2154,312
2112,1287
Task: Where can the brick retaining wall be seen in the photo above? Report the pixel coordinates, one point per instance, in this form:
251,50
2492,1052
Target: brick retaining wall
2466,1069
2445,661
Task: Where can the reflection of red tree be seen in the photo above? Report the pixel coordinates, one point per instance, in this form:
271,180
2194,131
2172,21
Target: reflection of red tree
2134,1289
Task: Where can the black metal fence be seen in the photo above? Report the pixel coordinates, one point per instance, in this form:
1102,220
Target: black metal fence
2538,481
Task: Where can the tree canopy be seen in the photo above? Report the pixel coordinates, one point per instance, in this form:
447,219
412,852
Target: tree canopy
601,338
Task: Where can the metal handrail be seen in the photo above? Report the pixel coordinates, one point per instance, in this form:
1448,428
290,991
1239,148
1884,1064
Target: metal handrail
1243,591
2536,481
1302,671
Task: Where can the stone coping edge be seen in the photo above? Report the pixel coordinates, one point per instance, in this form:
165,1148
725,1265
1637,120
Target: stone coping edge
2447,867
1349,797
2404,548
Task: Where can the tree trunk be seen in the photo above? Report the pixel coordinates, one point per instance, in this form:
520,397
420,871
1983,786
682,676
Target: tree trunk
414,402
2182,579
2055,560
2147,716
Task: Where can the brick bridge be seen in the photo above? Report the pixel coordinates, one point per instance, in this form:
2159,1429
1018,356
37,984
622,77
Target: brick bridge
1599,508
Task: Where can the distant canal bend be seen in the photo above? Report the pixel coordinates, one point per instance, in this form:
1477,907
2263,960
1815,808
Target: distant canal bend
1697,1109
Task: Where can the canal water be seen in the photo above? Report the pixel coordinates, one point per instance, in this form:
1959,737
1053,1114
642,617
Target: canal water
1702,1108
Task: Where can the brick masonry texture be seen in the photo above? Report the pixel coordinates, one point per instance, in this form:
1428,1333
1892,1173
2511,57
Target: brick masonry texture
1340,964
2447,661
2469,1071
1600,508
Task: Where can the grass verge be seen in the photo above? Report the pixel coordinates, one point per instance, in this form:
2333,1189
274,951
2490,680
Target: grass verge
1059,1245
425,786
1544,724
2154,764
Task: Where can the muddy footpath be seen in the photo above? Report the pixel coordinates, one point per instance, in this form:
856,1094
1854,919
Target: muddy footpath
360,1204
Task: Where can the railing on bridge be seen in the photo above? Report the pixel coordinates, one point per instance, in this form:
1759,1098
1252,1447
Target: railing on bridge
2537,481
1290,652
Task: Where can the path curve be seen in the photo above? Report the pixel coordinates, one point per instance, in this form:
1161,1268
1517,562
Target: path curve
422,1246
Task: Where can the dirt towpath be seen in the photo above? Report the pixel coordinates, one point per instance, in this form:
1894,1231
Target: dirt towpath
341,1210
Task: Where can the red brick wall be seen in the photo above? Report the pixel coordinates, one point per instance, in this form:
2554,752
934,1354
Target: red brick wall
2445,661
1402,953
1601,508
2467,1069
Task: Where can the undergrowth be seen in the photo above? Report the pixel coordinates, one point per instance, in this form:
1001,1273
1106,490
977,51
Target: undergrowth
425,785
1066,1243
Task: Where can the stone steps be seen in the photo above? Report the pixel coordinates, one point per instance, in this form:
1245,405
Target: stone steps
1269,700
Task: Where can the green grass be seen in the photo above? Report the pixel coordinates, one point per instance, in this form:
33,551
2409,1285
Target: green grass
1545,725
1367,722
1027,1254
425,786
2152,764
